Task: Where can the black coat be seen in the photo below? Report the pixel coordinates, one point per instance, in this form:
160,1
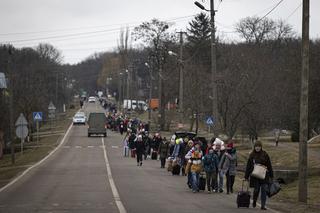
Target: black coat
262,158
140,147
132,141
164,149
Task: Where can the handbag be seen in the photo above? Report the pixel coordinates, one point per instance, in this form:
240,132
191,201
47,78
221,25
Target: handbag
259,171
273,188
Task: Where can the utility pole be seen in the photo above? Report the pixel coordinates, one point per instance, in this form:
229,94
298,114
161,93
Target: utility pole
161,101
57,87
128,89
11,112
119,90
181,77
150,92
303,131
215,112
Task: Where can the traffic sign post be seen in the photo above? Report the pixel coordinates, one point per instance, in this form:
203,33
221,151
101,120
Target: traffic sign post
51,113
210,122
22,129
37,117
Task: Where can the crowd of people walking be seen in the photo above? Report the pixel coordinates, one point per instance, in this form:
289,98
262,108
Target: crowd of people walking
207,165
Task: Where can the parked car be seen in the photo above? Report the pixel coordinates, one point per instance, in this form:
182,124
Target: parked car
97,124
92,99
79,118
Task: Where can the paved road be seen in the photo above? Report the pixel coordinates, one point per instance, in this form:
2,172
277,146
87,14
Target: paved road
75,179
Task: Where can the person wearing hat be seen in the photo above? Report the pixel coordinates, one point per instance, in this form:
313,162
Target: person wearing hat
187,151
163,151
261,157
210,163
219,151
228,165
196,166
140,149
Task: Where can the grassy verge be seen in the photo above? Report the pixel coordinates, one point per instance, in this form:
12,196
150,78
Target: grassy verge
33,152
287,157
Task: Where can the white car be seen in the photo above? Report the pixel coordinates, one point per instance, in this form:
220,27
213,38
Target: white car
92,99
79,118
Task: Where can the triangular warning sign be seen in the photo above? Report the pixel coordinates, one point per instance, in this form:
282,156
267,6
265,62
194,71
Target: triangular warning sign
38,116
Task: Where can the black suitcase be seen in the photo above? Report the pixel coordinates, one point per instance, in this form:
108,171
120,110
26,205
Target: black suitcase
154,155
176,169
202,183
243,197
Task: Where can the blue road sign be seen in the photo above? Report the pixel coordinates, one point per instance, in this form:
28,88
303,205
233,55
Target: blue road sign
210,121
37,116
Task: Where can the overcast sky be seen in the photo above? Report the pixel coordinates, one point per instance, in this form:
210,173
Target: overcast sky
81,27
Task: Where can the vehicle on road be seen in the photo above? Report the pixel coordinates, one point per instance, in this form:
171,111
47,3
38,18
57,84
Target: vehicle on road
92,99
97,124
79,118
135,105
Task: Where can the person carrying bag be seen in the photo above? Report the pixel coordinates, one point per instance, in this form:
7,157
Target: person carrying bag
260,172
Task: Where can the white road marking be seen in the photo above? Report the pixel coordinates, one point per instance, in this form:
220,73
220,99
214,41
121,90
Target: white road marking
66,147
90,146
114,190
115,147
78,147
39,163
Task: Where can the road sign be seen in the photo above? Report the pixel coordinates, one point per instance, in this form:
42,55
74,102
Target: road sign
51,106
22,132
21,121
22,129
210,121
3,83
37,116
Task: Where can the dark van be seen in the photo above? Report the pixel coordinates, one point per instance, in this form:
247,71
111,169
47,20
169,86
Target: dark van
97,124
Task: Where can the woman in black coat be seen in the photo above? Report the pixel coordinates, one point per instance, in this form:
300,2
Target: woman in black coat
259,156
140,149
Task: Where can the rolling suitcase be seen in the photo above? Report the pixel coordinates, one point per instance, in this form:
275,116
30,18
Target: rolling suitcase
169,165
243,197
202,183
154,155
176,169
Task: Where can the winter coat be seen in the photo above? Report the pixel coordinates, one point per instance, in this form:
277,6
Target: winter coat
176,150
262,158
140,148
229,162
210,162
131,140
196,162
156,142
164,150
219,153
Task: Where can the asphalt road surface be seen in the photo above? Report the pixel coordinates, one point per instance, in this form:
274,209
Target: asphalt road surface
76,179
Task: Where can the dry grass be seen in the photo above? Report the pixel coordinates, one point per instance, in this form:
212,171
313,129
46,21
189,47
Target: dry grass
32,152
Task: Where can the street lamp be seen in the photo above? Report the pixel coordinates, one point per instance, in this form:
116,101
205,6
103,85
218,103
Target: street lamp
213,59
150,92
200,6
180,103
107,85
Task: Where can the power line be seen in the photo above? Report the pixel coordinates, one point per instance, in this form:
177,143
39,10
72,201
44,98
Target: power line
89,27
271,10
295,10
83,34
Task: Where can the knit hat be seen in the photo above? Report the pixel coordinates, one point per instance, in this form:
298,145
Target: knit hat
258,143
230,145
190,142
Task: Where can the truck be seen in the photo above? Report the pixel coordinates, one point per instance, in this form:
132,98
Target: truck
97,124
134,105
